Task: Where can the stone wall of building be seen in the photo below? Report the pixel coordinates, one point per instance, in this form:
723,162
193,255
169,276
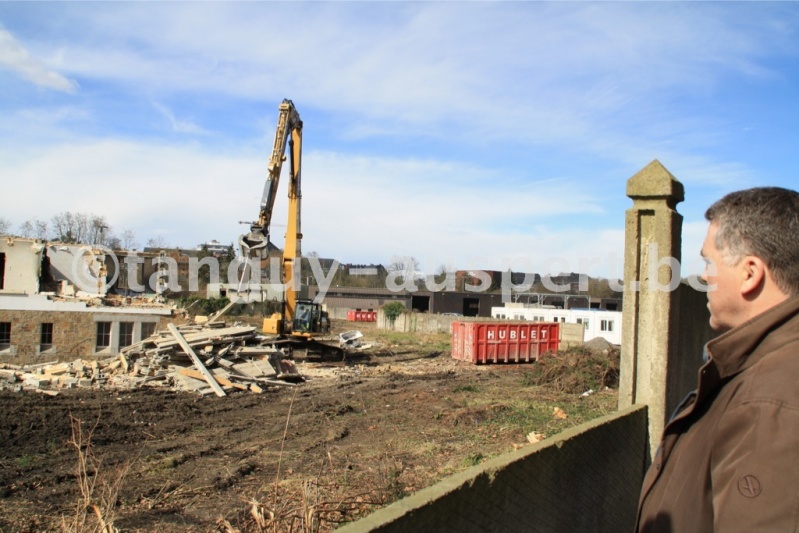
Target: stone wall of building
74,334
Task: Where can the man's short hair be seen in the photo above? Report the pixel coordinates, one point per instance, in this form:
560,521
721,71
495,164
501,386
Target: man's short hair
763,222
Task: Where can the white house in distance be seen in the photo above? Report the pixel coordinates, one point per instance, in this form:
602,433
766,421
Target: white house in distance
597,322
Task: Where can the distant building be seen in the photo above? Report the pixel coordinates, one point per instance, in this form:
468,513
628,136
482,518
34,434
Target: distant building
215,247
596,322
364,269
340,299
567,301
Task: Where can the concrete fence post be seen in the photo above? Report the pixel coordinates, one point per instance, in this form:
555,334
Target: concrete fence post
651,279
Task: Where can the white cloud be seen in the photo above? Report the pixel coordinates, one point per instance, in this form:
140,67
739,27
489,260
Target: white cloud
537,73
421,62
15,57
180,188
380,207
355,209
179,126
25,129
600,76
693,235
466,130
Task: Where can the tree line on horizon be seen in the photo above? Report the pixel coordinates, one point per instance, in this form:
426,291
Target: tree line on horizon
92,229
77,228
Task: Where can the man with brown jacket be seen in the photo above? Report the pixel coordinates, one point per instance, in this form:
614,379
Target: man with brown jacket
729,458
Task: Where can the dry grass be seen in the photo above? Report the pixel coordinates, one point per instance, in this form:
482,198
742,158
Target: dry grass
95,508
312,505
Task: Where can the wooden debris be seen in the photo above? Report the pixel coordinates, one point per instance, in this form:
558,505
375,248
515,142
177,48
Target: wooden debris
253,370
199,364
224,362
212,358
221,380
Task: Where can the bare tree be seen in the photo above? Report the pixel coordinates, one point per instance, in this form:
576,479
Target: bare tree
112,241
157,242
99,230
405,264
403,270
40,229
80,228
128,238
442,271
33,229
25,230
69,227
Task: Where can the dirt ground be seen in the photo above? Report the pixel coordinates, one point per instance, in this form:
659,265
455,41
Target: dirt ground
356,436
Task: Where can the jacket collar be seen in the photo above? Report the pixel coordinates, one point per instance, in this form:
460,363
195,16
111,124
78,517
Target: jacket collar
741,347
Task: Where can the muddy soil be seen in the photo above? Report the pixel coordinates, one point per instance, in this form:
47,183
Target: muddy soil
356,436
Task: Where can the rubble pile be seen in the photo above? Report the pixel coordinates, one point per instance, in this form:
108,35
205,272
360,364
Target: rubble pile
209,359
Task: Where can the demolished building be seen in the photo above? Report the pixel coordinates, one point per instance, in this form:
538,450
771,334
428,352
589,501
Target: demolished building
61,302
55,301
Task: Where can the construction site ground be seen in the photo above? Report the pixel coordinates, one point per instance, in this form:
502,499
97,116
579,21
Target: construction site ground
392,419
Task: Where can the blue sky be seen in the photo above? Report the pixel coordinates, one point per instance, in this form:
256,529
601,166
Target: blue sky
473,135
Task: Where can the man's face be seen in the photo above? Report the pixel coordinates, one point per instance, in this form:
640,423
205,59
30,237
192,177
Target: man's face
724,298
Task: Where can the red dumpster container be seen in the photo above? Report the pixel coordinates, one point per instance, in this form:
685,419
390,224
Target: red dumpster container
351,315
458,331
503,342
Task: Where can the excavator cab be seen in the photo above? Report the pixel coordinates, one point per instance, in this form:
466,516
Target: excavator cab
309,319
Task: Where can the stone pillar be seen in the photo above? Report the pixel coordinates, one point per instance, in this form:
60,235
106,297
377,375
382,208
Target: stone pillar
651,274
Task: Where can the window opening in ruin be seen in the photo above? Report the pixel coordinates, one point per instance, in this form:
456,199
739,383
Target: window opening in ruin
103,335
46,337
147,329
5,333
2,270
125,334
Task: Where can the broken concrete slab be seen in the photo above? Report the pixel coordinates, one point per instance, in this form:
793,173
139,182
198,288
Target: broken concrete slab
235,357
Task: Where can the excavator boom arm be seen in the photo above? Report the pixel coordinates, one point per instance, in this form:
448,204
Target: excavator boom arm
289,129
288,122
292,249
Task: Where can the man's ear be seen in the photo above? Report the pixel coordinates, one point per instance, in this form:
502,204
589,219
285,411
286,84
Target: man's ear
753,275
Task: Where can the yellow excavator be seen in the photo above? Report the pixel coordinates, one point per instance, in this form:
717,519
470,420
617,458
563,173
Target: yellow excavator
299,320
